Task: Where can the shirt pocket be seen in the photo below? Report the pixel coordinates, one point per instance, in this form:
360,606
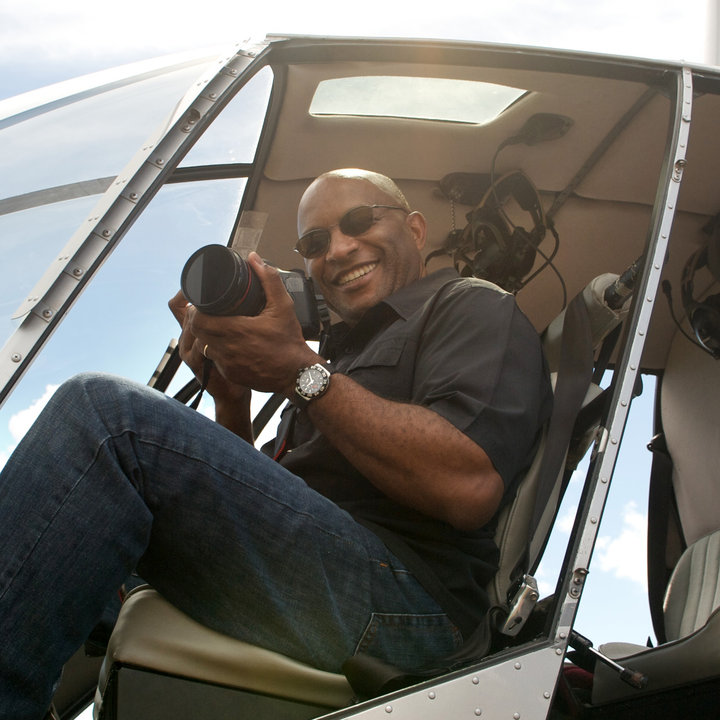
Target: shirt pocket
383,368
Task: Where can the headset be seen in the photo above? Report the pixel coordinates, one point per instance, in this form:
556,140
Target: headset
491,246
704,316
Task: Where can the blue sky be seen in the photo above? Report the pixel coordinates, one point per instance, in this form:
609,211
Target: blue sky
42,44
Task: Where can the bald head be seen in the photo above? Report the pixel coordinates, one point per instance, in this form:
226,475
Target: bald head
381,182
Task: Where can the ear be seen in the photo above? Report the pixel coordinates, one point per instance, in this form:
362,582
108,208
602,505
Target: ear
418,227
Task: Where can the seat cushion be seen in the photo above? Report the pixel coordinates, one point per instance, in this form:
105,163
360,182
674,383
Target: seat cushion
151,633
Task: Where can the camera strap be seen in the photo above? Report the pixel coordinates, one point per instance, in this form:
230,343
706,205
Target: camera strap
207,369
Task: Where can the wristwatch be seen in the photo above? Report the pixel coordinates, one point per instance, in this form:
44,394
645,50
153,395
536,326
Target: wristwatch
311,383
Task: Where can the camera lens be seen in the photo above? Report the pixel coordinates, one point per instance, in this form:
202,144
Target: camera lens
219,282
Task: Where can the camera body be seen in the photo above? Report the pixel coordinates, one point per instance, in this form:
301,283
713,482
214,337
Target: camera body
217,281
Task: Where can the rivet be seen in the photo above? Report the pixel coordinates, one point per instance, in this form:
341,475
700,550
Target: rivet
603,480
212,95
77,272
160,161
516,716
478,711
476,681
593,521
563,635
518,666
432,695
614,441
558,651
16,357
546,695
47,313
133,196
106,233
388,708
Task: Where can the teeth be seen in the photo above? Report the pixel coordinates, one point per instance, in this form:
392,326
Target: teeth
355,274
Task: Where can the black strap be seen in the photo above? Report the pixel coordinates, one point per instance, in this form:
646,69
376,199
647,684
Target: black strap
206,370
665,541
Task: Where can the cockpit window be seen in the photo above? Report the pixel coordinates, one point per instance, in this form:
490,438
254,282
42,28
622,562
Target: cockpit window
417,98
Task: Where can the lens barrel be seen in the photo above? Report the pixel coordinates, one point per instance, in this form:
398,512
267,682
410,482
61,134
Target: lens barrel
217,281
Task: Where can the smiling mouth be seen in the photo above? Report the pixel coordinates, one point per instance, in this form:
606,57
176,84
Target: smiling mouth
356,273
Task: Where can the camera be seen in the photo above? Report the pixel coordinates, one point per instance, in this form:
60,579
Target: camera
217,281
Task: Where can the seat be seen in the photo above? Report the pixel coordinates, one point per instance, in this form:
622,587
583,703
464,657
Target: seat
692,626
690,407
155,649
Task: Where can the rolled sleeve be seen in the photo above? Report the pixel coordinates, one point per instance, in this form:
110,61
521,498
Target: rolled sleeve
480,366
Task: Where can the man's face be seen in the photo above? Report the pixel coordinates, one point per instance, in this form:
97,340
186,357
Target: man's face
358,272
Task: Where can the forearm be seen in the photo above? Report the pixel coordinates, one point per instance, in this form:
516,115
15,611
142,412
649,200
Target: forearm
235,416
410,453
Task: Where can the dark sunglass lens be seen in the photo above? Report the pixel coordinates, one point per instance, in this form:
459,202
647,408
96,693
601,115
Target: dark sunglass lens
357,221
313,244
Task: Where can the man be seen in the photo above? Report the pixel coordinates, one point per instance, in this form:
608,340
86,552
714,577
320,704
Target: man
370,531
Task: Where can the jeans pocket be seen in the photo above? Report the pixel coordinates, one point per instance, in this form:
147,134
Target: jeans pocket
409,641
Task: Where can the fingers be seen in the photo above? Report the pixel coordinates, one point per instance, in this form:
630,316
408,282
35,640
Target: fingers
275,292
178,306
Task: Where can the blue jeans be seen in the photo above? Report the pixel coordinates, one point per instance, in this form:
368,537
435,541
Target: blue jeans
114,477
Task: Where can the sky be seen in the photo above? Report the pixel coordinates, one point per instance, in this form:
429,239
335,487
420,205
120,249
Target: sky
43,43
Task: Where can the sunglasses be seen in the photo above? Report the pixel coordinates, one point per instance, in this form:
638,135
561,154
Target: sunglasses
353,223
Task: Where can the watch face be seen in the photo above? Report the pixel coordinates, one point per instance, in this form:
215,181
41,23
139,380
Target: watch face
312,381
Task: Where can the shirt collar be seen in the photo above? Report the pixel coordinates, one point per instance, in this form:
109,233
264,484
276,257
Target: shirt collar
402,303
409,298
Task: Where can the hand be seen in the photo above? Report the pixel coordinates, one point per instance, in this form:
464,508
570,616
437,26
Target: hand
191,353
262,352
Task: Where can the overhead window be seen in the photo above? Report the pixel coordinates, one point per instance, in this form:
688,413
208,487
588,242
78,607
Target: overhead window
417,98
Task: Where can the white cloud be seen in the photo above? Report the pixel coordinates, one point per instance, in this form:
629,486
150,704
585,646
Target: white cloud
564,523
625,555
21,421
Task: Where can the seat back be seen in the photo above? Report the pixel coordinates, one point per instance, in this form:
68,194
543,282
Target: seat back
693,592
690,408
690,405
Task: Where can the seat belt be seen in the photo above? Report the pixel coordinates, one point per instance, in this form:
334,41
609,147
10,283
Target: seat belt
575,371
574,376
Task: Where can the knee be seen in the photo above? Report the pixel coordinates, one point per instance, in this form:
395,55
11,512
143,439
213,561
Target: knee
91,394
88,384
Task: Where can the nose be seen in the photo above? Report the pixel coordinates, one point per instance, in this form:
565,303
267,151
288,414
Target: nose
341,245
